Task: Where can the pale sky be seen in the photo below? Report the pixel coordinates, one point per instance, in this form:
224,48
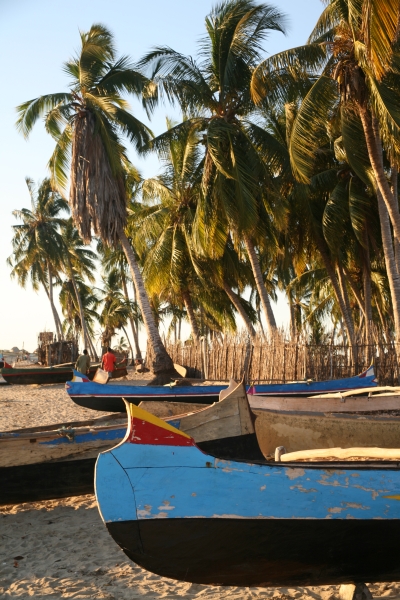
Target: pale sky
36,37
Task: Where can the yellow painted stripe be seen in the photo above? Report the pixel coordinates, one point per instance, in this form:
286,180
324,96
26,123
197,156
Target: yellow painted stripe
392,497
143,415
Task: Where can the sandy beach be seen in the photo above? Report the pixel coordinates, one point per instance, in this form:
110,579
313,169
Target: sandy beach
61,549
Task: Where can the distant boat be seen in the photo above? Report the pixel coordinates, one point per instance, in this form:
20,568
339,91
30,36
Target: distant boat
186,515
55,461
110,398
56,374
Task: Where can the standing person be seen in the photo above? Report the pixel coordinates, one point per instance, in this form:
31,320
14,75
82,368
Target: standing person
83,363
108,362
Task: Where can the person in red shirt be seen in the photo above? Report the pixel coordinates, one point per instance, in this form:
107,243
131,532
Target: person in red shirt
108,362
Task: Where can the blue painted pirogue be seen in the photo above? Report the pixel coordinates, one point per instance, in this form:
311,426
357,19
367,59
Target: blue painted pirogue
109,397
183,514
56,374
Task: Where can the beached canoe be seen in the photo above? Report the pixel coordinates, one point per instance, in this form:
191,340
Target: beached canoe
186,515
56,374
110,398
378,399
312,430
58,460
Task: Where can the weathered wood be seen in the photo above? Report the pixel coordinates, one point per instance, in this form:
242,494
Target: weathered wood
59,443
342,454
309,431
332,403
169,409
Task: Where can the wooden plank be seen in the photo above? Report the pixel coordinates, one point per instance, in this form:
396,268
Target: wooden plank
169,409
342,454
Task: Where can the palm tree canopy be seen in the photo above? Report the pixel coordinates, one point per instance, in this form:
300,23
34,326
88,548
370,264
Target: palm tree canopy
87,123
37,240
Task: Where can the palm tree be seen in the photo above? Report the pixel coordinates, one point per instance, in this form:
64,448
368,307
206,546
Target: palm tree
37,242
116,310
358,87
75,313
216,91
87,123
78,260
164,224
115,259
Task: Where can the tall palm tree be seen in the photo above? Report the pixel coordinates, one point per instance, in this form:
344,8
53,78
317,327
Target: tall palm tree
116,310
37,242
216,90
78,260
77,313
115,259
87,123
353,57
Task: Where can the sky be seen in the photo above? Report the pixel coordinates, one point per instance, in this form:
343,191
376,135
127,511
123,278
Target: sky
36,37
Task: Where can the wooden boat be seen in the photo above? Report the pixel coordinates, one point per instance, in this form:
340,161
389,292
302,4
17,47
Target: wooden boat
189,516
109,398
56,374
57,461
378,399
312,430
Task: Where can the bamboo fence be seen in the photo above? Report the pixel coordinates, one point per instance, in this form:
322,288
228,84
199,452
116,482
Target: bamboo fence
278,360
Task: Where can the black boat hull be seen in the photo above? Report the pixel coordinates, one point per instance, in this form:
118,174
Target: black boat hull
263,552
116,403
49,375
46,481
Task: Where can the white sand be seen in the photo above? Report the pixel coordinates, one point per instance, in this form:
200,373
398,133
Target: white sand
66,549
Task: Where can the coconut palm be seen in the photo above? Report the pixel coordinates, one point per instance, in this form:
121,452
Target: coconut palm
37,242
116,311
115,259
357,88
78,260
216,91
87,123
76,313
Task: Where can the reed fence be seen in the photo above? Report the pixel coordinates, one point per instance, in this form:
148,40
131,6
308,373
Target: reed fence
278,360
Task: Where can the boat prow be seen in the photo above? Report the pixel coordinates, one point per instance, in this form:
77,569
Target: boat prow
187,515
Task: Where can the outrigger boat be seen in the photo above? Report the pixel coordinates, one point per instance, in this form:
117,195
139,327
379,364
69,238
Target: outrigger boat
56,461
110,398
56,374
187,515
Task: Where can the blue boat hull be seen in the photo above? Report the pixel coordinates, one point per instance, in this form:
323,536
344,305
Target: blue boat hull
184,514
110,398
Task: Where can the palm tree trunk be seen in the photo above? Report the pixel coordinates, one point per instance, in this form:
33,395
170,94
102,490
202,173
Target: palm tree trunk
187,300
56,316
235,299
93,349
336,288
355,290
138,353
53,308
85,333
374,145
129,342
162,362
393,181
393,276
255,264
